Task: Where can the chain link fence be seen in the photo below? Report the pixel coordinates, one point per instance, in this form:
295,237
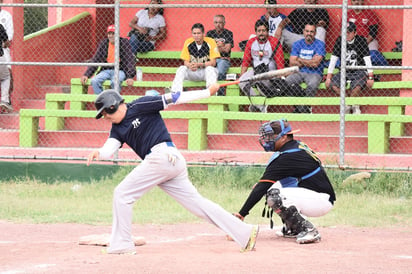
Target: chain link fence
54,43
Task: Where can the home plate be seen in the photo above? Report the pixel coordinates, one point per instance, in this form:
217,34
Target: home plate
103,240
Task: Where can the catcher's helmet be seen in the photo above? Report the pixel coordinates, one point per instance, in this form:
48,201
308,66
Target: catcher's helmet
108,101
271,132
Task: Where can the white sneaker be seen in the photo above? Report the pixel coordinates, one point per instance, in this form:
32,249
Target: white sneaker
356,109
348,109
6,107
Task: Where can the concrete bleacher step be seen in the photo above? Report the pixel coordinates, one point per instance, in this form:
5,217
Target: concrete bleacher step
9,120
9,137
175,125
32,103
41,92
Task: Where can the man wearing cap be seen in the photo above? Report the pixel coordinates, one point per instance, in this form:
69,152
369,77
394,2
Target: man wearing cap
294,183
105,54
357,54
272,16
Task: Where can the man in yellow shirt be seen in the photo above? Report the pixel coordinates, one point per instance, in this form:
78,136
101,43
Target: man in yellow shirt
199,55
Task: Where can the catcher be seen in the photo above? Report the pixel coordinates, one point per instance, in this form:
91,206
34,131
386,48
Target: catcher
294,183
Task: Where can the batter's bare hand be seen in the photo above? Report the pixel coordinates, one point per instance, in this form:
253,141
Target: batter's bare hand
172,159
93,155
214,88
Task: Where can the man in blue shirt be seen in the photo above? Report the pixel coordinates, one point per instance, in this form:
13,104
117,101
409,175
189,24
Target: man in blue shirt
307,54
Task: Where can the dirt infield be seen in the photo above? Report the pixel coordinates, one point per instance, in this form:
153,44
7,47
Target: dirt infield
202,248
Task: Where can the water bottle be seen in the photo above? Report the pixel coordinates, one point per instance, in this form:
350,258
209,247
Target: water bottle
139,74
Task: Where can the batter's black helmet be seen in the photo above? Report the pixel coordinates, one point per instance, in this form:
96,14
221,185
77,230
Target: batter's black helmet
108,101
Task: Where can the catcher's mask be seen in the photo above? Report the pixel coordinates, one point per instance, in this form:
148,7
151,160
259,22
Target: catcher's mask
267,135
107,101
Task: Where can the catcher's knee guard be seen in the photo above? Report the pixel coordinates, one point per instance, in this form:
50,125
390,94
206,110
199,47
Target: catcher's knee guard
290,216
273,199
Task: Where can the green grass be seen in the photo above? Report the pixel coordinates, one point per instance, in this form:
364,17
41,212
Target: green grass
385,199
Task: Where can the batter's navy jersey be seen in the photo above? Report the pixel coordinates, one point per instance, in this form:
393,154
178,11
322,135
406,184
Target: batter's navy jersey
299,164
143,126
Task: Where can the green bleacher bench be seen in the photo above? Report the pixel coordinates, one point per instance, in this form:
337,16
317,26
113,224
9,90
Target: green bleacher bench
396,106
378,124
239,54
29,124
77,87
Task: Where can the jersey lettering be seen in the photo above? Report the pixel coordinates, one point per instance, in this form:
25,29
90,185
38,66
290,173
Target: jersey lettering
136,123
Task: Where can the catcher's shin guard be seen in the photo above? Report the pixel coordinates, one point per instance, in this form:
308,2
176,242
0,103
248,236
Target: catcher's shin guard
293,221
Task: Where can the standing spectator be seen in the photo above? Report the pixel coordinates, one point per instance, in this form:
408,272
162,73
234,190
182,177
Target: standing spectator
105,54
297,20
272,16
5,104
199,54
224,42
260,51
7,21
307,54
367,25
357,54
294,183
140,125
148,27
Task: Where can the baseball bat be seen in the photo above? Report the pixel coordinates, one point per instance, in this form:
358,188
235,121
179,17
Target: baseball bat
264,76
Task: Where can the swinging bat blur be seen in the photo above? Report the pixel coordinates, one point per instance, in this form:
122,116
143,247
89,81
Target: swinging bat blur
264,76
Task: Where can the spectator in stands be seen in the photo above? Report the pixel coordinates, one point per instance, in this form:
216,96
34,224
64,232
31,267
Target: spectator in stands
148,27
105,54
297,20
199,54
262,51
357,54
367,25
308,55
7,21
272,16
224,42
5,104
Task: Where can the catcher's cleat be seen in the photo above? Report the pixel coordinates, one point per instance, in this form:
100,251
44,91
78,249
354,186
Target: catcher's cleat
252,240
308,236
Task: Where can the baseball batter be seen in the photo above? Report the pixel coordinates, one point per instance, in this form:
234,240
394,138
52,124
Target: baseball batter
140,125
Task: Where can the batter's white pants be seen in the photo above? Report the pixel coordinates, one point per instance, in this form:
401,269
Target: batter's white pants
156,170
208,74
5,81
290,37
310,203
